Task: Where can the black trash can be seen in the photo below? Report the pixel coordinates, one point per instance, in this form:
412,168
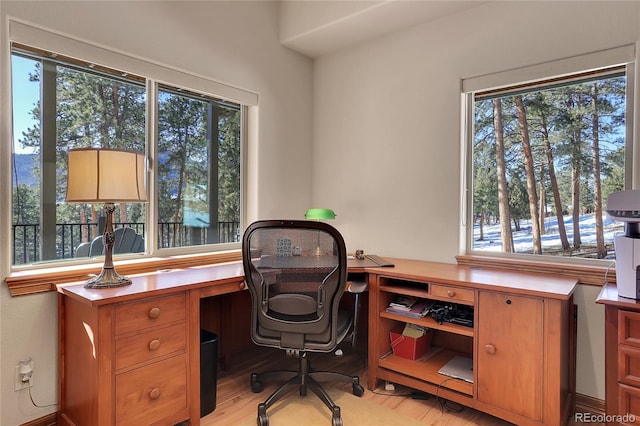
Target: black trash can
208,371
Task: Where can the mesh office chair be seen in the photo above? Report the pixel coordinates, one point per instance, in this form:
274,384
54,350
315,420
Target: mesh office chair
296,273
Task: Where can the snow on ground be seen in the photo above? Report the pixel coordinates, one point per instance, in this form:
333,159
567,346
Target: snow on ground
551,239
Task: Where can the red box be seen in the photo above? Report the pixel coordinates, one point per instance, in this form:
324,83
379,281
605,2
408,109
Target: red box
410,347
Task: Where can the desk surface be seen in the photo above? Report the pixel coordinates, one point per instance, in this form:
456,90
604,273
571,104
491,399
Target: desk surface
609,296
167,281
158,282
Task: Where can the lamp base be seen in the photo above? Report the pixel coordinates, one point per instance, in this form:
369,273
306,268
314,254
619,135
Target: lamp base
108,278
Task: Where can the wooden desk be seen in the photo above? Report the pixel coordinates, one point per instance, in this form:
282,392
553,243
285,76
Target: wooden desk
130,355
522,342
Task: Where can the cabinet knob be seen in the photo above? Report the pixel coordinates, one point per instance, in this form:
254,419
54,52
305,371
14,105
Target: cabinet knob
154,313
154,394
243,285
154,344
451,293
490,349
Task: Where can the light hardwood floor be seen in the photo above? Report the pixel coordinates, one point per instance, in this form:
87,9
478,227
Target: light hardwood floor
235,399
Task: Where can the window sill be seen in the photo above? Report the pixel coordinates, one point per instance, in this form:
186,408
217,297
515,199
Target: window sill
41,281
45,280
587,274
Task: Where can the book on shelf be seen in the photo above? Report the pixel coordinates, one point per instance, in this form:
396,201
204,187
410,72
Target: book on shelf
403,302
419,309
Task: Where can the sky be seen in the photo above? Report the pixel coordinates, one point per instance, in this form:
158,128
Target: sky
25,96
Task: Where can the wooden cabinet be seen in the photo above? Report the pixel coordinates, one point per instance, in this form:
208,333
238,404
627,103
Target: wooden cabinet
622,357
522,340
131,356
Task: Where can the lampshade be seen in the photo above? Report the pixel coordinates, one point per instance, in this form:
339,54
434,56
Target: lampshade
105,175
319,214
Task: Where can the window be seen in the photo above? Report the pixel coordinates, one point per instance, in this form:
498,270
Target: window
61,103
544,155
198,170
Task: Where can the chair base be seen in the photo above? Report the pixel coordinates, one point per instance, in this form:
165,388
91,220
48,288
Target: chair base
304,379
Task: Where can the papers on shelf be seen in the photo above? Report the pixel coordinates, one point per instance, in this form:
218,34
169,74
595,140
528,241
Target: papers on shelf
402,302
415,331
418,309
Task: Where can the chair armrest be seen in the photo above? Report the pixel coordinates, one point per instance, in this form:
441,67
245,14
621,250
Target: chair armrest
357,287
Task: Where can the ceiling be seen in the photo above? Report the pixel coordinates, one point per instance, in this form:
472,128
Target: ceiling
318,27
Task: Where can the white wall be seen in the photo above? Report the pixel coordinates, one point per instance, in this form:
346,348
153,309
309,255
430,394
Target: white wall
232,42
387,128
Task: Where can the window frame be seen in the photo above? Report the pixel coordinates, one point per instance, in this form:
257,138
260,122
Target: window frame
34,278
153,89
591,271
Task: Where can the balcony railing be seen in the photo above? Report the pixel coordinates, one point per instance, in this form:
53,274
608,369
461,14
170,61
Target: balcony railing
27,238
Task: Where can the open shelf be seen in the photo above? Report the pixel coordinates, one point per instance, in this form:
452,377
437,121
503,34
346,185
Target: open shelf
426,368
430,323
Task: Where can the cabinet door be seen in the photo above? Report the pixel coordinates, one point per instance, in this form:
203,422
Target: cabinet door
510,353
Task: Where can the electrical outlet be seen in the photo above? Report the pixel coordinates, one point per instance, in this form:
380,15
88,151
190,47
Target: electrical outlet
23,375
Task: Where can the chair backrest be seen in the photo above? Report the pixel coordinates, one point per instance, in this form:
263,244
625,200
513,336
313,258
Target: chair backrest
126,240
296,272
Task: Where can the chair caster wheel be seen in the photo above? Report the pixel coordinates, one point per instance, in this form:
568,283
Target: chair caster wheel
256,385
263,420
336,416
358,390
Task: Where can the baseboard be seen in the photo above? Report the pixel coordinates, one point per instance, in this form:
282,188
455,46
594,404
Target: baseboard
584,404
48,420
589,404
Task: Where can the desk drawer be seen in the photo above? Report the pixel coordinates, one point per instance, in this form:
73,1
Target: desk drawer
455,294
218,289
629,365
628,406
152,344
629,328
149,394
150,313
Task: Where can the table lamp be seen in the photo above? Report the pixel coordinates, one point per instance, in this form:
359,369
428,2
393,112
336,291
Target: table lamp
106,176
319,214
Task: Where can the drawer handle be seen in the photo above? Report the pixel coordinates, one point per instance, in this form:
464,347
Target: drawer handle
243,285
154,344
154,394
451,293
490,349
154,313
